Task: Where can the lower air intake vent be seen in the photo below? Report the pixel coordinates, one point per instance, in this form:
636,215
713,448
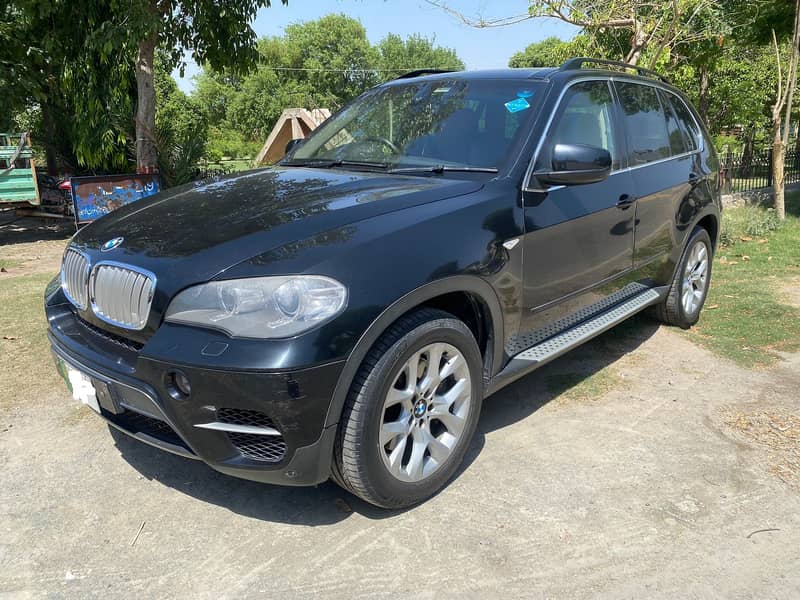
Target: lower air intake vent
259,447
255,446
139,423
240,416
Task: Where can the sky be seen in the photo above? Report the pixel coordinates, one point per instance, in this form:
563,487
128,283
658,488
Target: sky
478,48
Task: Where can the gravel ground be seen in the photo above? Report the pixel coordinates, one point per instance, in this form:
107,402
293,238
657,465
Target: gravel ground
676,477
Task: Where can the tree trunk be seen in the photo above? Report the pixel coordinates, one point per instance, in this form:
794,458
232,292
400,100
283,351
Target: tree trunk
638,42
746,163
146,151
50,134
703,99
778,156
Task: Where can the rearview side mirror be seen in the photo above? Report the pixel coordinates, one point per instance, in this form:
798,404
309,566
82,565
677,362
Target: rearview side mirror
576,164
293,143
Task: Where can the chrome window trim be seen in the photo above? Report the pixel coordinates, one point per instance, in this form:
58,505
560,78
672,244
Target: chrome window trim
113,263
612,79
88,270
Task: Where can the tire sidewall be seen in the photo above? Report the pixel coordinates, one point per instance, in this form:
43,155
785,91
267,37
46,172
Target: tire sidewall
384,484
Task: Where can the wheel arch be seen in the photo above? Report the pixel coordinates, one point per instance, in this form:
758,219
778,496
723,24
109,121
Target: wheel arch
482,314
710,223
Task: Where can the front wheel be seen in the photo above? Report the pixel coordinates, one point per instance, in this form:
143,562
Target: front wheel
689,288
411,412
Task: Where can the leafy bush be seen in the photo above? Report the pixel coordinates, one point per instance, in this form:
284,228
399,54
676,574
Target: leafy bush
747,221
226,143
728,143
178,154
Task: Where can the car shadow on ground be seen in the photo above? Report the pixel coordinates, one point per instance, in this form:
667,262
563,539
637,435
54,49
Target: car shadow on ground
327,504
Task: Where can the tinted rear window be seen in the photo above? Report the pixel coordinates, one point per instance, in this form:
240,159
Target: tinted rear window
646,123
677,135
686,121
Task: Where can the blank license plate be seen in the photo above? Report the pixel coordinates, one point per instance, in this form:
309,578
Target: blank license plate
79,384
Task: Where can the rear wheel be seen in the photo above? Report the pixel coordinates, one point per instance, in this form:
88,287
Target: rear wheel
412,411
689,288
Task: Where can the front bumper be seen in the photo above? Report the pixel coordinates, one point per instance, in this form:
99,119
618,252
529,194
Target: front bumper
135,396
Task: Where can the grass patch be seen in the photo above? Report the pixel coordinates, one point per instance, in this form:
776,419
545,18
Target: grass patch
744,318
9,263
29,370
582,386
741,223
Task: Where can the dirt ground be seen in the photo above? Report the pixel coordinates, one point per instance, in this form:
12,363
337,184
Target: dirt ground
638,466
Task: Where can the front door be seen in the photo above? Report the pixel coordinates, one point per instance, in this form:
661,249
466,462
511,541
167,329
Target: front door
579,238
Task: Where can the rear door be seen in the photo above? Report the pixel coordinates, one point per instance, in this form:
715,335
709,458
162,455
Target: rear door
577,237
662,165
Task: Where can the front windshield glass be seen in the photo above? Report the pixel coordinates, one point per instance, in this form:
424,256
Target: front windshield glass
436,123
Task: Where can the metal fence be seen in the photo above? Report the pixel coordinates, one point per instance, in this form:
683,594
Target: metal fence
743,172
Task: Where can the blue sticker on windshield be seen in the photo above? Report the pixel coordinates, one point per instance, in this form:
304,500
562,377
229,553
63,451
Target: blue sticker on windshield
517,105
524,94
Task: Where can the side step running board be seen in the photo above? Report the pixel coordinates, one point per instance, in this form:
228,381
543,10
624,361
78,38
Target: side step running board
526,361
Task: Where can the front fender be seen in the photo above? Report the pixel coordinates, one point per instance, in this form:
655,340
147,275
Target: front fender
459,283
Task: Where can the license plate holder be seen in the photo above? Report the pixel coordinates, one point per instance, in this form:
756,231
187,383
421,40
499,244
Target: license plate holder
80,384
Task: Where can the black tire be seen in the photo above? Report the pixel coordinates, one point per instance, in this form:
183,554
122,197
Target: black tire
358,465
671,310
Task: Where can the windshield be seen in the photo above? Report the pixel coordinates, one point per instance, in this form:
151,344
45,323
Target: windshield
441,123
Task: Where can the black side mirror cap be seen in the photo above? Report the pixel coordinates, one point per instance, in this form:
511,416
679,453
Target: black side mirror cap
292,144
576,164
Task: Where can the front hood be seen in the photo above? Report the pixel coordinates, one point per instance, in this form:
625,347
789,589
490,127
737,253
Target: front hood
194,232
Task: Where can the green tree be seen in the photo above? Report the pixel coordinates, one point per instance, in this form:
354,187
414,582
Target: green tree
76,88
333,56
216,32
398,55
551,52
318,64
181,129
639,28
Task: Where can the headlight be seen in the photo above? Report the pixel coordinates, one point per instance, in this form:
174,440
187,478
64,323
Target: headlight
261,307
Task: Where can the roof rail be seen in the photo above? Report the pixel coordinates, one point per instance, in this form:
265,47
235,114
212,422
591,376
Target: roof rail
420,72
577,63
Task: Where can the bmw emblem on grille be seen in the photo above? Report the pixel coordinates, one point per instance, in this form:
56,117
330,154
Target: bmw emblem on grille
111,244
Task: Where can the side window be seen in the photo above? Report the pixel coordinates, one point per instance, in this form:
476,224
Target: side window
646,125
686,121
585,116
677,138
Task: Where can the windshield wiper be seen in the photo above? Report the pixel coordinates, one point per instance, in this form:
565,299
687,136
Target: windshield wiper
444,169
330,164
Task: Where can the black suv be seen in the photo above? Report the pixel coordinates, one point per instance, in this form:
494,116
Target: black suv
344,313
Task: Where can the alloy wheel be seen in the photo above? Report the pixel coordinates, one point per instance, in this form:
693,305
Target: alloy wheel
425,412
695,278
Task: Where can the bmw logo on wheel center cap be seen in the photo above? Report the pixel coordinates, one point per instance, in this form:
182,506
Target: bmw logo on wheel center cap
111,244
420,408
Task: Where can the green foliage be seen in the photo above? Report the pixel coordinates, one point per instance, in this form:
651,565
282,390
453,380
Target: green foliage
323,63
552,52
77,87
214,32
229,144
398,56
728,143
179,153
747,222
70,64
330,57
751,323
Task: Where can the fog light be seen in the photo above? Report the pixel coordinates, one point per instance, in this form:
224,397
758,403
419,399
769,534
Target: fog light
178,385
